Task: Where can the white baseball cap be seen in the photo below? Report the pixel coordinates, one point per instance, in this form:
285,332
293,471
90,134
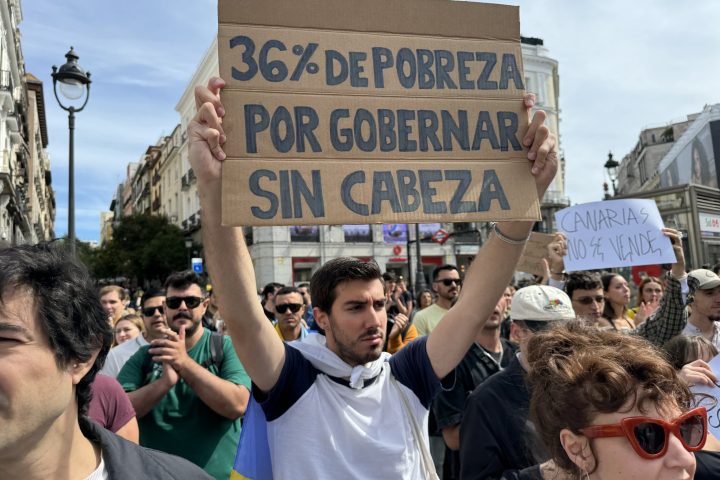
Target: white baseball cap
702,279
542,303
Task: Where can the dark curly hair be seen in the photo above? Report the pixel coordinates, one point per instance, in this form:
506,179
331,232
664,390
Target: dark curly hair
578,372
67,305
184,279
582,280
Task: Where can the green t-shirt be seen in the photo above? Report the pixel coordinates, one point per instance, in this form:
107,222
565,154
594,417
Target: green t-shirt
181,423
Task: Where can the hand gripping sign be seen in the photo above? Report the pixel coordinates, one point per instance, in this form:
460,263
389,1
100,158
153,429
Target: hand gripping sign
346,112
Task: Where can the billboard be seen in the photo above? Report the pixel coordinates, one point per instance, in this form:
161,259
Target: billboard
395,233
696,163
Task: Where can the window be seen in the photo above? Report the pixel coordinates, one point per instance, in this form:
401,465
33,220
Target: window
302,233
357,233
302,268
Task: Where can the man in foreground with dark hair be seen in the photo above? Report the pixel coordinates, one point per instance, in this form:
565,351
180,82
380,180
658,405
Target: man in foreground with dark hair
372,406
54,336
197,418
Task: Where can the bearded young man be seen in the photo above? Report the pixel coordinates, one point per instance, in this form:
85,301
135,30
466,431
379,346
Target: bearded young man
187,401
371,405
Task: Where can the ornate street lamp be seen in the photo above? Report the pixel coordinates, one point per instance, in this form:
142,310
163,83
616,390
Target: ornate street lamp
74,83
612,169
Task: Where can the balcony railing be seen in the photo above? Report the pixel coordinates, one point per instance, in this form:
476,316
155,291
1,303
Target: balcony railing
555,198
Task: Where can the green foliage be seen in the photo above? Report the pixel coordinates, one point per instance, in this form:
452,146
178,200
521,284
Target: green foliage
143,248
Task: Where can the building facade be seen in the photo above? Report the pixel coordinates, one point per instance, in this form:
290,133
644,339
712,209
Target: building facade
542,79
677,165
639,169
27,201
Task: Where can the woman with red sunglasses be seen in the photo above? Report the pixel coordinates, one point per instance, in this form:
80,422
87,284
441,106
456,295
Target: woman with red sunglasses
609,406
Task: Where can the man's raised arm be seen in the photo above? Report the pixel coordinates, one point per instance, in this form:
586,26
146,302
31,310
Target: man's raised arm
258,346
494,265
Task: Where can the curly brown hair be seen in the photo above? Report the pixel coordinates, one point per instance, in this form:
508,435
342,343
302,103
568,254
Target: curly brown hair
578,372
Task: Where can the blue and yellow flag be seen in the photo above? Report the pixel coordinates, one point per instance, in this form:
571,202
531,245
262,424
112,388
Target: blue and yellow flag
252,461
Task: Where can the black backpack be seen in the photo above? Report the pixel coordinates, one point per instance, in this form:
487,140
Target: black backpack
217,355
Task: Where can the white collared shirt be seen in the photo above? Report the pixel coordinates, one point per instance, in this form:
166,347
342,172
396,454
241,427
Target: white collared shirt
691,330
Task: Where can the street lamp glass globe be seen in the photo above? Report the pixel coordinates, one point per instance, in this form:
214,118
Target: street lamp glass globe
71,89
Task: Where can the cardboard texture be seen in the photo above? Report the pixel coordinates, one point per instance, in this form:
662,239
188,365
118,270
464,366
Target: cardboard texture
531,260
372,112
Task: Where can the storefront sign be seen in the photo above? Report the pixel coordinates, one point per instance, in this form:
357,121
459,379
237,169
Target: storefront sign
709,225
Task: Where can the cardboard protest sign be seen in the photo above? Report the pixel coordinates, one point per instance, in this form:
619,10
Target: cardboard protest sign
345,112
531,260
614,233
709,397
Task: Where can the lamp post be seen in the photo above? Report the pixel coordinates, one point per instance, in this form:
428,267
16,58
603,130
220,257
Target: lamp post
73,82
420,284
612,169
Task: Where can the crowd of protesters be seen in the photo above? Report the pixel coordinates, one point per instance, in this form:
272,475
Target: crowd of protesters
352,375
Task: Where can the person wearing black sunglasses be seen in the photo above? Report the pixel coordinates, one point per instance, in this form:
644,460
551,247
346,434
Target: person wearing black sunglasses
446,284
610,406
187,401
289,311
585,289
153,315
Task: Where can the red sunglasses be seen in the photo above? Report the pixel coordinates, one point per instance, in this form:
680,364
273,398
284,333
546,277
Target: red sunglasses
649,436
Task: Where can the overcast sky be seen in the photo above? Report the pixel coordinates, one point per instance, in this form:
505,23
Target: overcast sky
623,66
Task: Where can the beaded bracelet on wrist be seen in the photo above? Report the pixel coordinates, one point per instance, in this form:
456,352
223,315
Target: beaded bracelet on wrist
505,238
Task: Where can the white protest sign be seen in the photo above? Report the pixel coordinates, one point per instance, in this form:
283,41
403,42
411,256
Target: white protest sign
711,404
614,233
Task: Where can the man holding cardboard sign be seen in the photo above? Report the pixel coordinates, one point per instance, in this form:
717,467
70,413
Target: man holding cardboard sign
363,401
370,408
